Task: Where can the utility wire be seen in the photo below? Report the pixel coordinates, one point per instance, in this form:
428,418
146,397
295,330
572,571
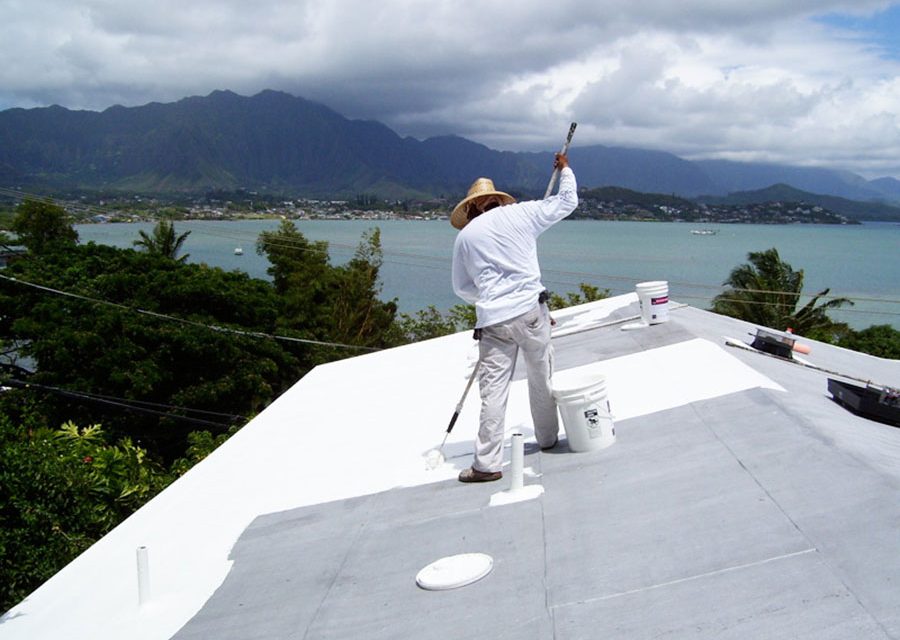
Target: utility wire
596,277
121,403
144,403
775,304
256,334
155,314
601,277
289,243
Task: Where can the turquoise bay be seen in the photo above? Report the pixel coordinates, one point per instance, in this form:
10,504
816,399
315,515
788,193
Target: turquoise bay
861,262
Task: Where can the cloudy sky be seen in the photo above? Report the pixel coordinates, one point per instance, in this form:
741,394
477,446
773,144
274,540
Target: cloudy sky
813,82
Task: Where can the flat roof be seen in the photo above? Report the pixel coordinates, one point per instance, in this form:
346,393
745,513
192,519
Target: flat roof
738,500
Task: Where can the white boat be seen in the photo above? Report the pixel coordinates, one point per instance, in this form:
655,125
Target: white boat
238,251
704,232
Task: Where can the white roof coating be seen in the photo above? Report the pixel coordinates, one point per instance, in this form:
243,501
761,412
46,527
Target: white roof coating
361,426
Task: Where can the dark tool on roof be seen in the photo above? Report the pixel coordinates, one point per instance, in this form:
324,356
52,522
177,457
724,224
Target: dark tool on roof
875,403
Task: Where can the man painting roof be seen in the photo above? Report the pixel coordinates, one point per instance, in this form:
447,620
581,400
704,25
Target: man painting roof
495,267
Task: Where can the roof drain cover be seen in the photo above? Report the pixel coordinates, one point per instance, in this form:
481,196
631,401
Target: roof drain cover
456,571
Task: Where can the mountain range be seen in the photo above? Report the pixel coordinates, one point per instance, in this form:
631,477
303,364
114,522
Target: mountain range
279,143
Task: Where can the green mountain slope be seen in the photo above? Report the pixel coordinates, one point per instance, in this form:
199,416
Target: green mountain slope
277,143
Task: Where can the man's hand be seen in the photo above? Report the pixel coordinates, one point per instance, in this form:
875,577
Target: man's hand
561,161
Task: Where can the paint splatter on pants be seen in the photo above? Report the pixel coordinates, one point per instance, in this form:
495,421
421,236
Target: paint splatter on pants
498,349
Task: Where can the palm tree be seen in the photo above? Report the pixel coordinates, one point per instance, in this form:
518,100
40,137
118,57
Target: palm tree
163,241
767,292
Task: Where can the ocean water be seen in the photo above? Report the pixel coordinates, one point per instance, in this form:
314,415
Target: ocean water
860,262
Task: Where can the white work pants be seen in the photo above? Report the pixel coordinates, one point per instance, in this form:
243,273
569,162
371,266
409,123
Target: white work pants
498,349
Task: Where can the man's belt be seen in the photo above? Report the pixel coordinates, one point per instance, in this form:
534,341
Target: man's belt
543,298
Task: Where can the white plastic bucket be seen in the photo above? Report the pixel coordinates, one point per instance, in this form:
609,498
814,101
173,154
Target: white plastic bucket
584,408
654,299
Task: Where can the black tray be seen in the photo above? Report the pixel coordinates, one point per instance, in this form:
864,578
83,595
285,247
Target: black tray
864,401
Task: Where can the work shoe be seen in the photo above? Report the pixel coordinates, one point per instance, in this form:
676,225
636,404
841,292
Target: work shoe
551,445
474,475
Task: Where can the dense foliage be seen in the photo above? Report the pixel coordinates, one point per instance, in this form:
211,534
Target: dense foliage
113,350
42,227
318,301
587,293
880,340
62,489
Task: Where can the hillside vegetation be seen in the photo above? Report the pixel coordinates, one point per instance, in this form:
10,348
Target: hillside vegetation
280,144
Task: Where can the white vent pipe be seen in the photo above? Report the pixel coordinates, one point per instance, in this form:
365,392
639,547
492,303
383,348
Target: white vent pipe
517,462
143,575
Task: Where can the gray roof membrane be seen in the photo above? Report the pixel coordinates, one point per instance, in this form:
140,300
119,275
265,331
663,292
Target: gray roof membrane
753,515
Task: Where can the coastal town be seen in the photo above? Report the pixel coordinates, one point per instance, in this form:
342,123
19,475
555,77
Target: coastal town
596,204
777,212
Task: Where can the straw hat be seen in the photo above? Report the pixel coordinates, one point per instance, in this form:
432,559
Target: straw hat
481,188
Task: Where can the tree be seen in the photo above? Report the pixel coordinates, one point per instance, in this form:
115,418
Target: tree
423,325
879,340
588,293
109,349
360,317
300,274
322,302
163,241
767,292
60,491
43,226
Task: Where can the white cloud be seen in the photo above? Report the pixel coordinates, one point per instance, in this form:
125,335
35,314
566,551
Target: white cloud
704,78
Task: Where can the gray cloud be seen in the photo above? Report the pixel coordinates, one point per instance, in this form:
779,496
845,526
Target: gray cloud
702,78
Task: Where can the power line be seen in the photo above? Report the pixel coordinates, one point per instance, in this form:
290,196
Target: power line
155,314
122,403
697,285
443,262
284,242
289,243
776,304
145,403
578,274
256,334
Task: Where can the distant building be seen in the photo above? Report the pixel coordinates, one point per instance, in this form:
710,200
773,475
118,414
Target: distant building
9,255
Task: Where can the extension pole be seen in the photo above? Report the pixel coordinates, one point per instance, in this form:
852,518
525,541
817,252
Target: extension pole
565,148
459,405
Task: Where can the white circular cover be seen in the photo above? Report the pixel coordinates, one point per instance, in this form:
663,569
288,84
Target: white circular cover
455,571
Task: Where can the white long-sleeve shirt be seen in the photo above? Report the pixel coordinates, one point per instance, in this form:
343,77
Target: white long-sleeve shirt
495,264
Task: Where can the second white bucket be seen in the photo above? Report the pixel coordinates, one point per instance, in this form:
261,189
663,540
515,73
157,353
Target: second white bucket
584,408
654,299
